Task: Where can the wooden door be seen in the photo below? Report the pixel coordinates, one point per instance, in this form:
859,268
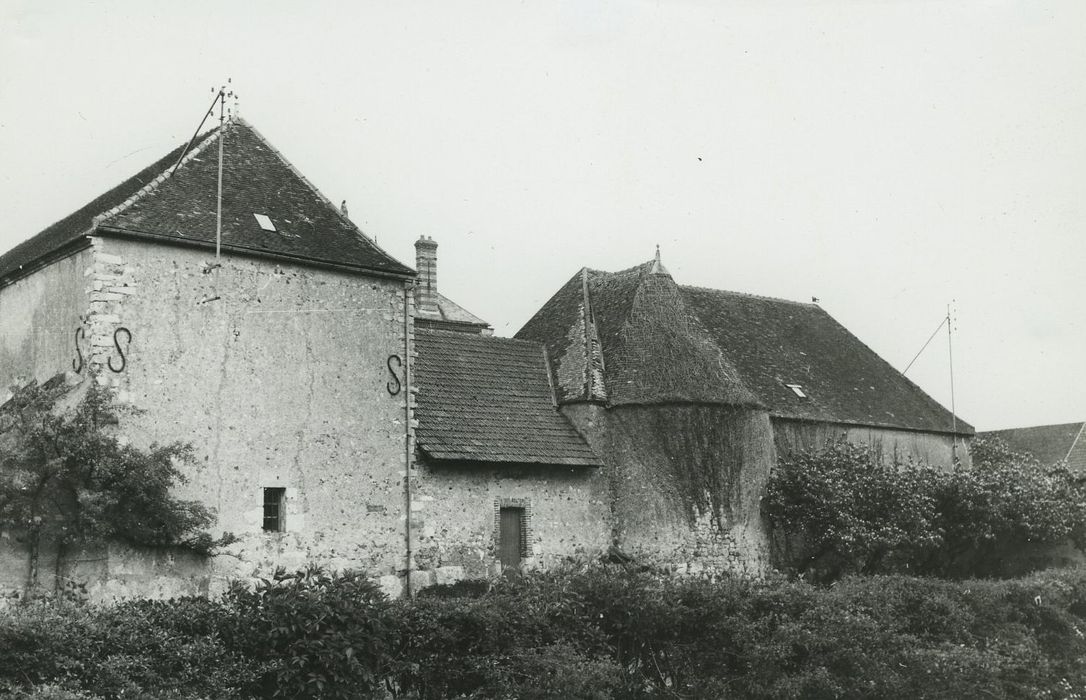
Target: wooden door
510,537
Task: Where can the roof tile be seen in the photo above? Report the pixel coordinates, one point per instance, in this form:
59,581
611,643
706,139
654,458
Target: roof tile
181,208
487,399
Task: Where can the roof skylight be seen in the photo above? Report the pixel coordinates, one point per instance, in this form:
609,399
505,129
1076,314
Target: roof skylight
265,222
797,390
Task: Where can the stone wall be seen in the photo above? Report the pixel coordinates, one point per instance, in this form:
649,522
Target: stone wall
685,481
934,449
279,375
42,331
453,509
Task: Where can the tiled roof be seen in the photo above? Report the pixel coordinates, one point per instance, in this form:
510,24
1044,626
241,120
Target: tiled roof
775,342
72,228
654,349
450,315
1048,443
487,399
180,208
560,325
627,338
661,343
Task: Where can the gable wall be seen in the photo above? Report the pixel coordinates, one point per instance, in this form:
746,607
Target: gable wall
281,382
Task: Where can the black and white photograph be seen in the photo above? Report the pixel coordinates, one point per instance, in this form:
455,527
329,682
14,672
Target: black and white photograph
755,367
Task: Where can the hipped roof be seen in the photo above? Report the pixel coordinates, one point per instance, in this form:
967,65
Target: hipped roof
487,399
180,208
659,342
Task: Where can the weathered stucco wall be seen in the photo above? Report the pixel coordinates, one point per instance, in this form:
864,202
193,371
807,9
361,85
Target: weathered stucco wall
453,516
40,317
685,481
282,381
934,449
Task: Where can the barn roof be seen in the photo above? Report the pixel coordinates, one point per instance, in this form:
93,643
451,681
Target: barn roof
659,342
1048,443
487,399
180,208
776,343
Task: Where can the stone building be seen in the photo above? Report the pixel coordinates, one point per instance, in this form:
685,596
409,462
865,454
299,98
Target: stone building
346,413
273,359
688,395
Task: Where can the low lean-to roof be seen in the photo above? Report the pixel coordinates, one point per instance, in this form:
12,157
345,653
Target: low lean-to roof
1048,443
451,315
661,343
180,208
487,399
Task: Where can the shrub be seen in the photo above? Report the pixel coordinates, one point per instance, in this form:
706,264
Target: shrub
840,510
313,634
594,633
147,648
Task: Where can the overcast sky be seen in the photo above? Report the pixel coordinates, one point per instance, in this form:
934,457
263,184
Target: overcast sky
886,156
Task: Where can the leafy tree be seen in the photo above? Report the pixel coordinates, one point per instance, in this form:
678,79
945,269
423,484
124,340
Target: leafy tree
65,479
841,510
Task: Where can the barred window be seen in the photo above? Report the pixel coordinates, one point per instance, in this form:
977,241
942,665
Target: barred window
273,509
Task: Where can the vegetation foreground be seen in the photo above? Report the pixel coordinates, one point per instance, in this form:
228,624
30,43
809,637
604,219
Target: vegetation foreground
589,632
850,620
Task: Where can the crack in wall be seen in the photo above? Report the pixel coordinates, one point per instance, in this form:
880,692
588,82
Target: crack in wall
296,466
217,425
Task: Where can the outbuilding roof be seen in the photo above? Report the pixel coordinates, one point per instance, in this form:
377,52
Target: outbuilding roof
1048,443
780,346
487,399
659,342
179,207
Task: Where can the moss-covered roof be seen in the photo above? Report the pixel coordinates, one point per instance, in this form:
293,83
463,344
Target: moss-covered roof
662,343
634,328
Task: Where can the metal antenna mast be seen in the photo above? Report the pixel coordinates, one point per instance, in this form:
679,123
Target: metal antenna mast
218,194
220,99
947,320
953,408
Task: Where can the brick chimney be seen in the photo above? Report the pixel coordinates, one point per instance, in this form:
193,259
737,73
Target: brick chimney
426,264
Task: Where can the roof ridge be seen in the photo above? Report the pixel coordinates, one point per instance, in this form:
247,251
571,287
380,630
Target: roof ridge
640,267
197,148
749,295
297,173
473,336
1081,424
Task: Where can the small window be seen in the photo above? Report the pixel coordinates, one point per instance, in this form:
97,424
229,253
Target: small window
797,390
273,509
265,222
512,537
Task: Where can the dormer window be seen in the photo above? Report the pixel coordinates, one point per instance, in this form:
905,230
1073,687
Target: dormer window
797,390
